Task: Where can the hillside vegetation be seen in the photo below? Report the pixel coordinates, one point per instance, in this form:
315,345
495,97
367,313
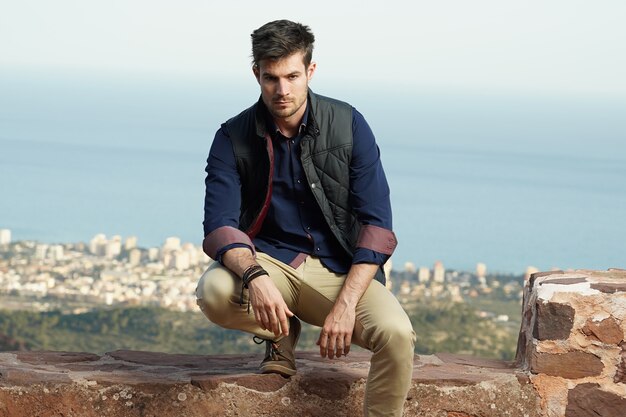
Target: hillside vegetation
440,327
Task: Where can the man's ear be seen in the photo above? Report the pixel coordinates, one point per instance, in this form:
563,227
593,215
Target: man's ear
257,73
311,70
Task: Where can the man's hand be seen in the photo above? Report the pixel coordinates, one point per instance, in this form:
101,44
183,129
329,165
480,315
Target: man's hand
336,335
270,310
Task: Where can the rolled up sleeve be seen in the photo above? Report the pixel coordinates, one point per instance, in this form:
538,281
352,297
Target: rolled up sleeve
370,199
222,201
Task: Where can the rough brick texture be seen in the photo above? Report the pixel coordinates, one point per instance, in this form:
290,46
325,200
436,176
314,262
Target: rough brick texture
572,342
589,400
145,384
570,365
554,321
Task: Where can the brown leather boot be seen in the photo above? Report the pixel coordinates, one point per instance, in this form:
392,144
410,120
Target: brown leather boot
280,356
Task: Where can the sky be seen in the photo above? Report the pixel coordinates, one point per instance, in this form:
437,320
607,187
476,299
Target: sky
542,79
548,46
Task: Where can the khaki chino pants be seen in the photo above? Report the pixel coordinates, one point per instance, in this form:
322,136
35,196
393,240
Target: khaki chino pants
381,326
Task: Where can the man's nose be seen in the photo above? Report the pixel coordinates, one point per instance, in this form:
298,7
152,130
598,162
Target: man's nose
282,87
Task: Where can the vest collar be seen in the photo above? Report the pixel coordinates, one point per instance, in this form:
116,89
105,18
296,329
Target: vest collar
310,125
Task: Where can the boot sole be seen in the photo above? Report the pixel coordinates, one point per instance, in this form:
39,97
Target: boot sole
278,369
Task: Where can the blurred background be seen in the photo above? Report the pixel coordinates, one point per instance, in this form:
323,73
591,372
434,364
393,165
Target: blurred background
501,126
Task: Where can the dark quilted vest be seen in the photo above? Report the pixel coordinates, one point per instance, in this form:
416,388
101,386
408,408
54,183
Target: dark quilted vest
326,153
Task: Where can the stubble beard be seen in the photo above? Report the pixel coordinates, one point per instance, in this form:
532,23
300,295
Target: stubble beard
284,113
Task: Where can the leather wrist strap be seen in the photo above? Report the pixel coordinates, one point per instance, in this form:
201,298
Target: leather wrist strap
250,273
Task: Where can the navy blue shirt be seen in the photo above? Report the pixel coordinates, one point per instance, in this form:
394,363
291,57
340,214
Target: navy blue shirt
294,224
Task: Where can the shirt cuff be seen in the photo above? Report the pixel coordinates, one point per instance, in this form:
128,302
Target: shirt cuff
367,256
377,239
222,251
223,236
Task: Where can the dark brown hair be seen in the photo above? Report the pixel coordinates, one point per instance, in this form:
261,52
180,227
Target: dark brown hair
280,39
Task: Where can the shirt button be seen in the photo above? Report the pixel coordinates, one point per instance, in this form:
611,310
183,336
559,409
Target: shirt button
293,141
313,185
317,249
308,228
298,180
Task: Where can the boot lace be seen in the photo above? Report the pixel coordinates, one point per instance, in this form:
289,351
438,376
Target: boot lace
274,349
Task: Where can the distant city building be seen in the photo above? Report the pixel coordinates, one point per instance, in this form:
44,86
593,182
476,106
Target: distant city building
192,251
98,245
51,252
423,275
482,281
130,243
409,267
439,272
167,277
134,257
437,289
41,251
94,274
113,247
455,294
153,254
405,288
179,260
481,270
56,253
5,236
171,244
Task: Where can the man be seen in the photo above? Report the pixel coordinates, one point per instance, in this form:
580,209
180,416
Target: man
298,218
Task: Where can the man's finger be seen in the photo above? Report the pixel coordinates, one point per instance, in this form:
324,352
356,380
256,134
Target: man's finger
273,323
322,342
346,344
264,322
339,349
284,323
331,346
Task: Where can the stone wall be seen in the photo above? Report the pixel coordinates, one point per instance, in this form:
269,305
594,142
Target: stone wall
572,342
150,384
571,362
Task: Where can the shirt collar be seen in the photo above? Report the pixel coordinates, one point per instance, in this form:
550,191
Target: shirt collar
274,129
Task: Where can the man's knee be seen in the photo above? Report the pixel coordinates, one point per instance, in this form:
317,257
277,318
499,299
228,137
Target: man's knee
396,334
214,292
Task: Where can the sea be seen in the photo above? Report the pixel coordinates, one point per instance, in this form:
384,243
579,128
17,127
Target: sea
510,180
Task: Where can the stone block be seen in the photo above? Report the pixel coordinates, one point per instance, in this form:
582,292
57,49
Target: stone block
606,331
260,383
572,365
587,400
328,384
554,321
609,287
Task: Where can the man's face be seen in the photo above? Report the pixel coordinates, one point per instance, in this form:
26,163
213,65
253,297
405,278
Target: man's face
284,85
